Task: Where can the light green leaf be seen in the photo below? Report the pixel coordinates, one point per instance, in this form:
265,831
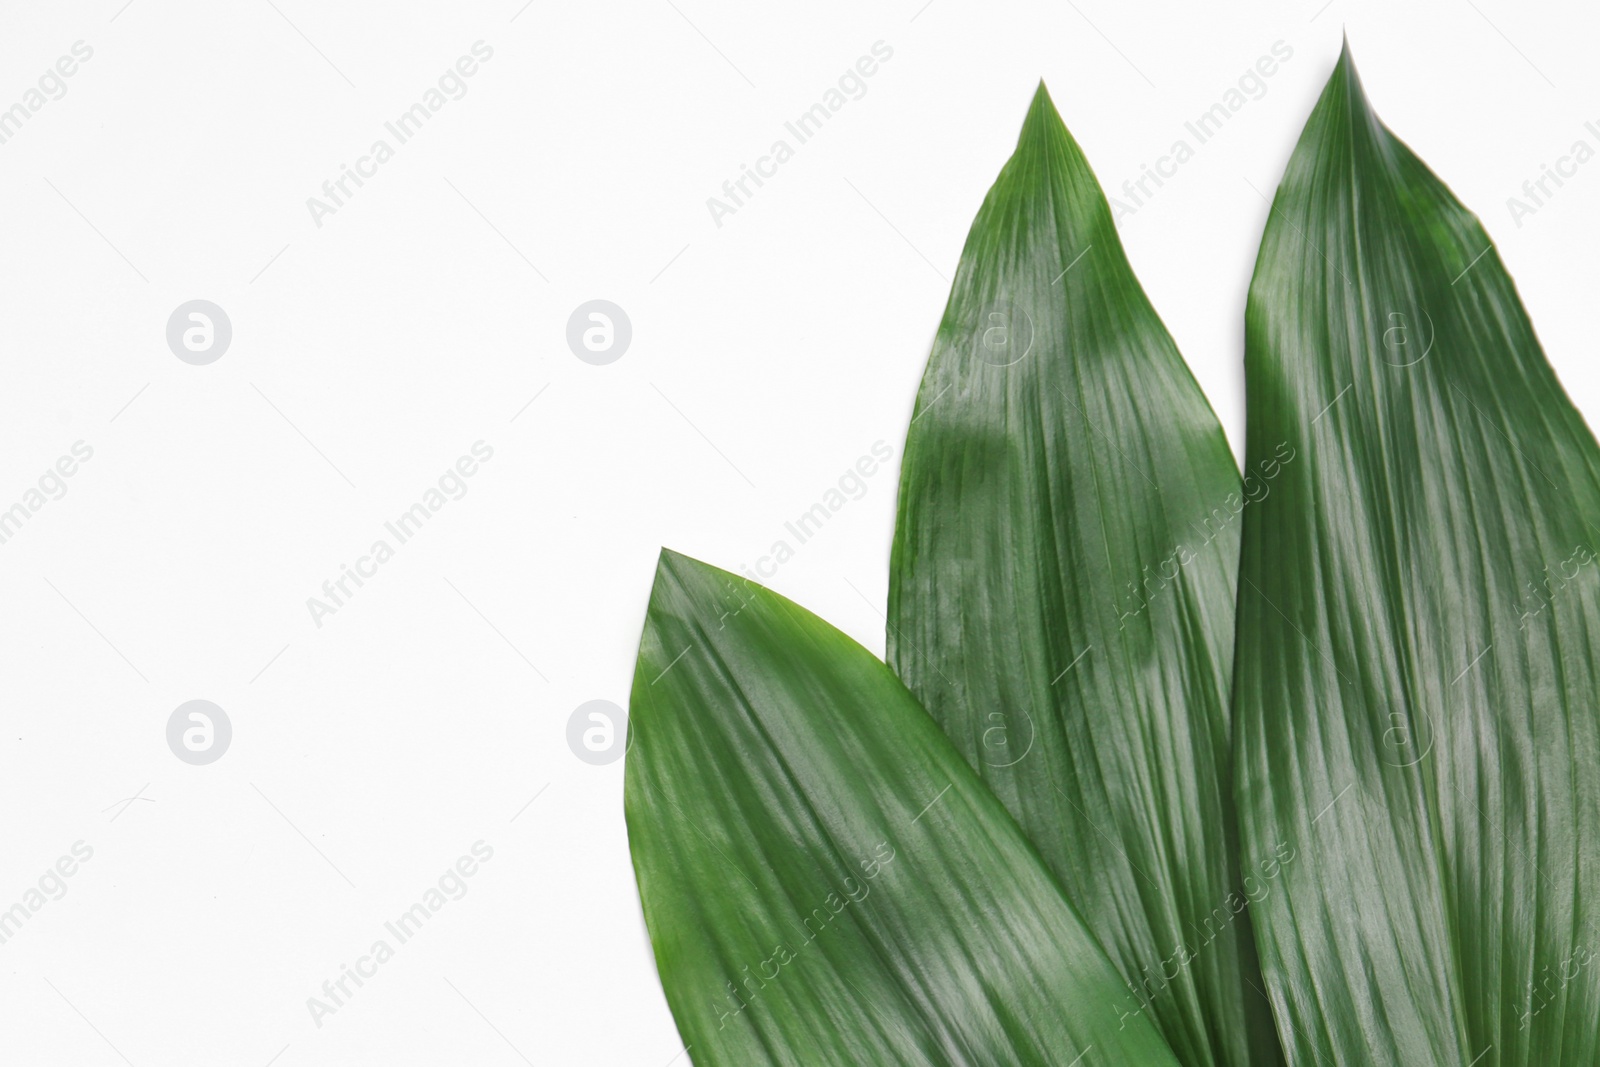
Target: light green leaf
1419,630
824,879
1062,590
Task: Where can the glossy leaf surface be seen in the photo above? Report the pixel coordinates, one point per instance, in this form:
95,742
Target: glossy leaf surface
1419,629
824,879
1062,590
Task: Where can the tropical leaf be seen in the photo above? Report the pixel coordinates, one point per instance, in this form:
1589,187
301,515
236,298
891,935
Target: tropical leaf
824,879
1062,590
1419,630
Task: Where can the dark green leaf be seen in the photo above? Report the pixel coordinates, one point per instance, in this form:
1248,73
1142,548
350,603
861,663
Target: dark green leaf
824,879
1062,590
1419,630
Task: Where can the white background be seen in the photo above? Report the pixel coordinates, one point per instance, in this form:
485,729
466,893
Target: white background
372,351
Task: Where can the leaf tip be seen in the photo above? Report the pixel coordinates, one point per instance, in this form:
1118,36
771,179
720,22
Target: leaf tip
1346,77
685,575
675,565
1042,109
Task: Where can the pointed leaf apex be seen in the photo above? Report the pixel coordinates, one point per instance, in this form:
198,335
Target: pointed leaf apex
1346,75
1346,115
676,567
1042,112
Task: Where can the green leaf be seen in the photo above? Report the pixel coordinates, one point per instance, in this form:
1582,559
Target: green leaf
1419,630
1062,590
824,879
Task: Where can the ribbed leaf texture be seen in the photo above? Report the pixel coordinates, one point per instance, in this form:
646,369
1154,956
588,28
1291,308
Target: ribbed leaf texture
1419,630
1062,591
824,879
